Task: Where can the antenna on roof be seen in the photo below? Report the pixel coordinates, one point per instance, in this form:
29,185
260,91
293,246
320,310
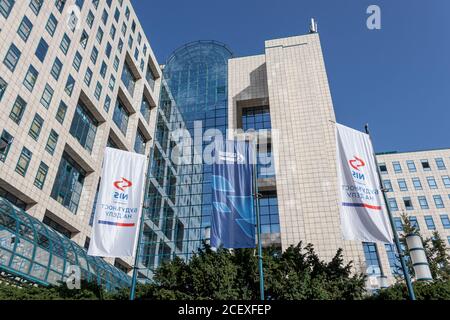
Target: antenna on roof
313,26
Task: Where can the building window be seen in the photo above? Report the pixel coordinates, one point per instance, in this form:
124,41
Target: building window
88,77
3,86
128,78
145,109
446,181
59,4
388,185
77,61
120,45
99,35
61,113
90,19
397,167
47,96
440,164
417,184
68,183
414,222
112,32
411,166
139,142
36,127
423,202
425,165
41,175
398,224
432,183
5,144
150,77
52,142
65,44
84,39
256,118
392,204
70,84
12,57
445,221
383,168
112,83
94,55
23,162
51,25
25,28
104,17
120,117
84,127
98,91
6,7
30,78
372,259
136,54
41,50
57,227
268,206
402,185
17,110
108,50
430,223
103,70
394,261
116,64
408,203
107,104
56,69
438,202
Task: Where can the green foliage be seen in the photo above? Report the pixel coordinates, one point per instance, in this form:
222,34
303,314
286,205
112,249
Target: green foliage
88,291
297,273
436,290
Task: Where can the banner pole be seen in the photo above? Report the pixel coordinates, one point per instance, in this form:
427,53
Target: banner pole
411,293
258,220
138,246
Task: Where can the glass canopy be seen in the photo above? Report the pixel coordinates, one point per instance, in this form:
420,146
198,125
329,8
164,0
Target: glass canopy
33,251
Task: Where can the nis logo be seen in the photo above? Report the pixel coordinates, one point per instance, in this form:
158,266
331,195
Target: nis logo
121,185
355,164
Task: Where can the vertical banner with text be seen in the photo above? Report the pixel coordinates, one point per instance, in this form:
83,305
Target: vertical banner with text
233,218
119,205
362,208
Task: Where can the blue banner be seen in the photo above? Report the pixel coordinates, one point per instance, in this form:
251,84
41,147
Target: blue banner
233,218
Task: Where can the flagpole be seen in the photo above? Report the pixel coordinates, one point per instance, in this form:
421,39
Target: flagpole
258,220
411,293
141,224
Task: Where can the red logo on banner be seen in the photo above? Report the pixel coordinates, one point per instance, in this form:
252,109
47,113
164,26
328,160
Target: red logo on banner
122,184
357,163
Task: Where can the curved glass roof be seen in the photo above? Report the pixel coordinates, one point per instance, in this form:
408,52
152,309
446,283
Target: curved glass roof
37,253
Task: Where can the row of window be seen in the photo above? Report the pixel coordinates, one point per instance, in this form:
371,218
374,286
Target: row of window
429,221
423,202
403,186
411,165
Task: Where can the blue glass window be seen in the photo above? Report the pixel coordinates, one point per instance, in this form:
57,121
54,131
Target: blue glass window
70,84
139,142
25,28
112,83
47,96
98,90
440,164
30,78
94,55
3,86
394,261
68,184
423,202
65,44
61,113
41,175
56,69
6,140
12,57
372,259
268,208
388,185
36,6
392,204
150,77
41,50
145,109
438,201
104,17
23,162
445,221
120,117
6,7
430,223
256,118
99,35
446,181
52,141
59,4
107,103
18,109
417,184
77,61
398,224
84,127
88,77
90,19
402,185
432,183
36,127
411,166
414,222
128,78
397,167
51,24
84,39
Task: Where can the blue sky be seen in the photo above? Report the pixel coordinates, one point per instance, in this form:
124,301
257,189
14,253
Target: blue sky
397,79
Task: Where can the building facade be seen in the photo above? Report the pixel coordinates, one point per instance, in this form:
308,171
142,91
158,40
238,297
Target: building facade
73,80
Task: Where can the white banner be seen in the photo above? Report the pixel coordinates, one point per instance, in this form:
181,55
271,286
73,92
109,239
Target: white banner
119,205
362,208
